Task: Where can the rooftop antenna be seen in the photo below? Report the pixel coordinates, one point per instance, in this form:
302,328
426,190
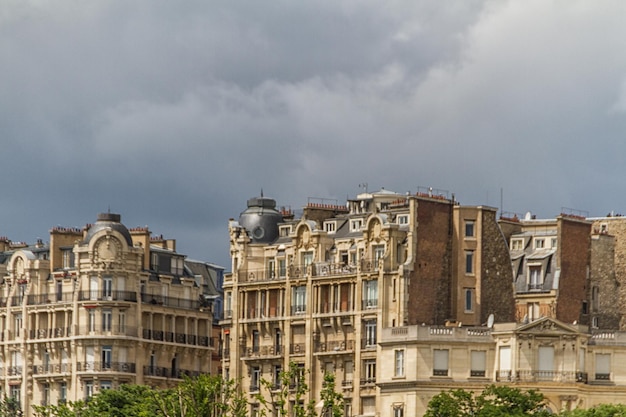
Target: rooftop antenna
363,185
261,192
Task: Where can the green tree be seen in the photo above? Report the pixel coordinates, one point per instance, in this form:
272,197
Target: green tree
494,401
291,387
332,401
602,410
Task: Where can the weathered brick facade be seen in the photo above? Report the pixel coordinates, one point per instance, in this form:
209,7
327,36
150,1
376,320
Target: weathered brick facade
603,306
429,289
497,296
573,256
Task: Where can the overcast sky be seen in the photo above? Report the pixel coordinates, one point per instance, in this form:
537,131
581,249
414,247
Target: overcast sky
174,113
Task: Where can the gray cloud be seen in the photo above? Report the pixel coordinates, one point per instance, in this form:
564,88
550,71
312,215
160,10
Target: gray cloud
173,114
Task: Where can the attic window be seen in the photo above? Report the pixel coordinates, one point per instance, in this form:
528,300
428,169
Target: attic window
517,244
355,225
540,243
285,231
330,227
402,219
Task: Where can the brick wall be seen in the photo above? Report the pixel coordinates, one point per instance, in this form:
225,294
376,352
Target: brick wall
497,295
429,289
574,249
603,277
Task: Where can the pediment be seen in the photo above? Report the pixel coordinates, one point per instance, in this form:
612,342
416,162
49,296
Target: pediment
547,326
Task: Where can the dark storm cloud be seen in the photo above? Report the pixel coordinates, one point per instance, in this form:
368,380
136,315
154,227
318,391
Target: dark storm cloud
174,113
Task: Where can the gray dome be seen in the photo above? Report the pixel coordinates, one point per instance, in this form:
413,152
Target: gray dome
261,219
112,221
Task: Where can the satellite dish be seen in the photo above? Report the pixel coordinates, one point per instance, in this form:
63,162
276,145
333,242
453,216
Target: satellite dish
490,321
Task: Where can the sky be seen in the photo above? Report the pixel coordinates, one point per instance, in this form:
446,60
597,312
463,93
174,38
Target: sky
173,114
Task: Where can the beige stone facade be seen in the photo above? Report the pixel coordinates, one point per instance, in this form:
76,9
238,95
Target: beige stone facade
97,308
322,289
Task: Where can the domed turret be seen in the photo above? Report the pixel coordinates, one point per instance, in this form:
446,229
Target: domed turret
261,219
109,220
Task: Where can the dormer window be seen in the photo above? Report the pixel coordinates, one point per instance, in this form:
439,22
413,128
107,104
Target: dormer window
540,243
355,225
330,227
284,231
402,219
517,244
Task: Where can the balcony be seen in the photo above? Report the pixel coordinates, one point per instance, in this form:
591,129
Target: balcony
434,333
369,304
171,302
56,332
57,368
261,351
88,295
340,307
297,348
265,313
52,298
335,346
529,375
162,372
181,338
368,343
107,330
126,367
368,381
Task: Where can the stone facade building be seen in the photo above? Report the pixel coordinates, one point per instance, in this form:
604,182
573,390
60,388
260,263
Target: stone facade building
319,290
98,307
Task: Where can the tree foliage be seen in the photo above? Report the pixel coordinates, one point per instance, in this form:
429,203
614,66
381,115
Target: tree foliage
494,401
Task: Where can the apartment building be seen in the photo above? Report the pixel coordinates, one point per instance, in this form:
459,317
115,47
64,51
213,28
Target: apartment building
319,290
98,307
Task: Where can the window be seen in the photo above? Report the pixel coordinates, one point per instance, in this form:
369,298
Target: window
440,362
177,265
368,406
93,288
469,296
330,227
534,312
553,243
88,389
370,333
284,231
398,410
505,373
594,322
369,371
298,303
535,280
370,294
107,315
255,378
307,258
91,324
62,392
277,376
469,228
282,268
478,363
68,258
107,355
105,385
355,225
603,366
59,290
469,262
255,341
517,244
399,363
122,322
18,324
16,391
402,219
546,363
107,287
379,251
540,243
